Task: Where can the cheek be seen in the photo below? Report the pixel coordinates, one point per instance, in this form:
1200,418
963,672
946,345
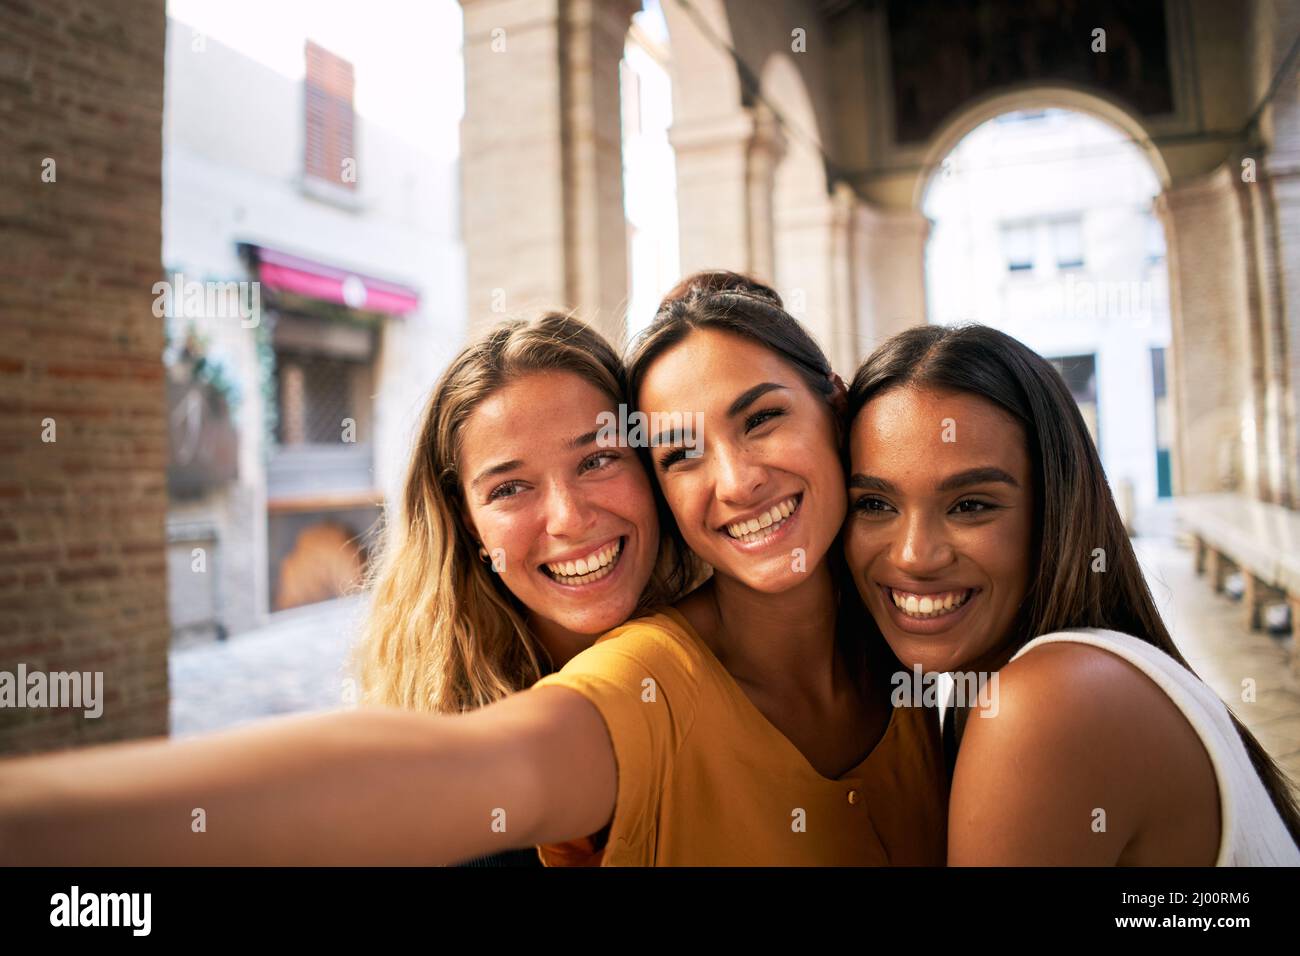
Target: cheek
631,498
862,544
514,533
1003,551
682,492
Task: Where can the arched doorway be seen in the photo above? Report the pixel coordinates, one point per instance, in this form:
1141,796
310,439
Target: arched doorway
1044,226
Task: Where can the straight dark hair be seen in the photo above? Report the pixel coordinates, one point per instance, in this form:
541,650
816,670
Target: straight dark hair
1074,513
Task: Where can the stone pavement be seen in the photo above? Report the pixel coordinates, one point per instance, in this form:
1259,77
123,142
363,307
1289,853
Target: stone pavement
296,662
1210,630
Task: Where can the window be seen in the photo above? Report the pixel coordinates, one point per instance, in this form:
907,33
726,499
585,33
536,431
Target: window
1018,246
317,394
1155,240
329,149
1067,243
1080,375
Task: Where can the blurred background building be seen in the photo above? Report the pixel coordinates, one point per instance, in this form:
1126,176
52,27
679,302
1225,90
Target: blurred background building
272,173
1117,184
1043,225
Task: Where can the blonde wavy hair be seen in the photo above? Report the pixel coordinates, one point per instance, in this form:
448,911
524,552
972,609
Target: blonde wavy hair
444,634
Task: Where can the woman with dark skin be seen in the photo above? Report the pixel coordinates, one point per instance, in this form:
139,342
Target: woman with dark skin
984,540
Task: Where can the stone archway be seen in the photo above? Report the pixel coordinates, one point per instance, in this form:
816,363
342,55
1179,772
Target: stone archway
981,111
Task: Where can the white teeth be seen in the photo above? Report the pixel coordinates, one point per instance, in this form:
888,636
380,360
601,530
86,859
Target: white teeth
746,531
929,605
591,568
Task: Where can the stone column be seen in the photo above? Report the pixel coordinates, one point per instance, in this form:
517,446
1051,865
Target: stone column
715,192
766,148
541,159
1270,368
1210,356
1285,381
889,258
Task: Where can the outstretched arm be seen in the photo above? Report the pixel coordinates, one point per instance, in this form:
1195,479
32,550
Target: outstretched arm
353,787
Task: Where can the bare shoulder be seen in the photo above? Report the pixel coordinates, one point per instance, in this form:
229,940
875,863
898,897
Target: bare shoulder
1079,758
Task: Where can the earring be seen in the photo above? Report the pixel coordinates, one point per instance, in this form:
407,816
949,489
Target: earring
482,553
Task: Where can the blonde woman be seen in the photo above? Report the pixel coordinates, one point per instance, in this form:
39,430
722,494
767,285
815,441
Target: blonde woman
470,599
468,606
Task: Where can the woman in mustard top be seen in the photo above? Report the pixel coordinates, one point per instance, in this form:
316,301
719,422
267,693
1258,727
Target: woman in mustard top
749,725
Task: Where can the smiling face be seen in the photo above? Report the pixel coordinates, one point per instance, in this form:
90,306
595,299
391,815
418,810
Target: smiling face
768,480
940,523
571,525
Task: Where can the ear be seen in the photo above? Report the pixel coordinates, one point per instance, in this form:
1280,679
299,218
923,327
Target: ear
839,397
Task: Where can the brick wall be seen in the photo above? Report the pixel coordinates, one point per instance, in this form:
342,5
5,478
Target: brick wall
83,583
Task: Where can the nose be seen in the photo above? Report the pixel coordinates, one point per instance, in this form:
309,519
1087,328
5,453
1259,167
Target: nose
737,478
568,513
922,547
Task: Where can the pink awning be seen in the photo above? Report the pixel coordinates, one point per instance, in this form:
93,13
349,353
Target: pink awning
279,270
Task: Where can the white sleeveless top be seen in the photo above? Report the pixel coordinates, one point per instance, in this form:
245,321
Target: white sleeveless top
1252,832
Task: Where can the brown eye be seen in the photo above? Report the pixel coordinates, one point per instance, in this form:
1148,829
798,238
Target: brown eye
672,458
758,418
599,460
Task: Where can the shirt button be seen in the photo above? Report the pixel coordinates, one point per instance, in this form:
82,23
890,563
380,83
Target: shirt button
853,798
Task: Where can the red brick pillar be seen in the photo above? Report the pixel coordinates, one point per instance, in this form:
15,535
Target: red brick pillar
83,442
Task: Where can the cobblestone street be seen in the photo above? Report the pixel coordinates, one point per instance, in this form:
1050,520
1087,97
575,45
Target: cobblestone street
294,664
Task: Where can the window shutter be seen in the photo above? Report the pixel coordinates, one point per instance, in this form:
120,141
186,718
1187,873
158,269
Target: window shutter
329,117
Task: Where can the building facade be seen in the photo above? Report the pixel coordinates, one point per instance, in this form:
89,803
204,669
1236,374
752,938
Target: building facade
338,240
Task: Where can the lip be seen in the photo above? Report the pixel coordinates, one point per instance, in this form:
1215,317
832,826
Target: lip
933,625
595,587
782,533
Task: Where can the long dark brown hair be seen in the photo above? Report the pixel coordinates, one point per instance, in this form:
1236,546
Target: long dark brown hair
1074,512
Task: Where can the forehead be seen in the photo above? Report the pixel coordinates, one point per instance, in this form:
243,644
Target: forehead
712,364
924,429
537,411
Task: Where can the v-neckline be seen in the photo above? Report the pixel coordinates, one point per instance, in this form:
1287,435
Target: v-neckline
772,729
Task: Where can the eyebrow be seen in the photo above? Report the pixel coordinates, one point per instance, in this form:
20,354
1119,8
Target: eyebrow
746,398
573,444
962,479
749,396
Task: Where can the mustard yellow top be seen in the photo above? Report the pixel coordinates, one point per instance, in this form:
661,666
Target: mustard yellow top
704,779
